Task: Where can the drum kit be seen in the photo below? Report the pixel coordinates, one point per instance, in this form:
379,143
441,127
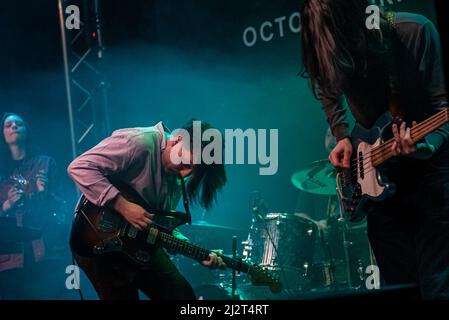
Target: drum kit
310,256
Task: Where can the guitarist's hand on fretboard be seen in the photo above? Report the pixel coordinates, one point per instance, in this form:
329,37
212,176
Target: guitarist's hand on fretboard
214,262
404,144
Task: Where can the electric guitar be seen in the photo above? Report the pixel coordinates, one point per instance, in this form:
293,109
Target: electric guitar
364,180
103,231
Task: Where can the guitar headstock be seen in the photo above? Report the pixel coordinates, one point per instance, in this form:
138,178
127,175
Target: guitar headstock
263,277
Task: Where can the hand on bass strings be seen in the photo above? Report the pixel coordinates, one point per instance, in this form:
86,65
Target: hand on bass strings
340,156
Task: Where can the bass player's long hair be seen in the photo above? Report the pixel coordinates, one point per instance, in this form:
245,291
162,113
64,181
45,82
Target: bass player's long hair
336,42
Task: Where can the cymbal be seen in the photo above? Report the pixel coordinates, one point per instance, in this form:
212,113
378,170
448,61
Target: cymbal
206,225
317,178
304,216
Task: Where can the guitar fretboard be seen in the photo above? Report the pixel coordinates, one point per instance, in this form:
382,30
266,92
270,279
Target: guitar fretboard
383,152
197,253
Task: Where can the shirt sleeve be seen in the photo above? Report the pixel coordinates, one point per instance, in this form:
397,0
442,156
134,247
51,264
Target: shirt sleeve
336,113
429,57
91,170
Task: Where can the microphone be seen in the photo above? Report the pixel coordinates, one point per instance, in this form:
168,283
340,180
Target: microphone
257,205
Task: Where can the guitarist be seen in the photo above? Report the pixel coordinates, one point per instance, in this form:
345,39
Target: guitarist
398,68
140,158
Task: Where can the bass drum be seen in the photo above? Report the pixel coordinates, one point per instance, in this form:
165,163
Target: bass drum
328,275
348,244
285,243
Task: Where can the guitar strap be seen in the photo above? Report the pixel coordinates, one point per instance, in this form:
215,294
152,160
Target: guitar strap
185,200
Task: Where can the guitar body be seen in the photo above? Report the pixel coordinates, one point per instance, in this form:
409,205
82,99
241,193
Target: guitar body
98,231
364,182
103,231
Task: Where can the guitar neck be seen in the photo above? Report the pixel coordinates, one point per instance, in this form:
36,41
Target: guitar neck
195,252
383,152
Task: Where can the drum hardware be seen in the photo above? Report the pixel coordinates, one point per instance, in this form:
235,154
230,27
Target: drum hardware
234,272
318,178
331,269
346,245
258,209
360,273
328,275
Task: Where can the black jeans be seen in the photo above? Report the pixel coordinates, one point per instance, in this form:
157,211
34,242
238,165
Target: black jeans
117,279
409,233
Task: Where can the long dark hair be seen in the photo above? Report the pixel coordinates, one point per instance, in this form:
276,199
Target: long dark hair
207,179
6,161
336,42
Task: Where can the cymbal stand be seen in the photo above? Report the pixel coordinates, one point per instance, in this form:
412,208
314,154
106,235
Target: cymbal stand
327,248
346,245
234,272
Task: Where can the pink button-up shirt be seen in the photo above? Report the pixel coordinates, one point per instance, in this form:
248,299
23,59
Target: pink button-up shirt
132,156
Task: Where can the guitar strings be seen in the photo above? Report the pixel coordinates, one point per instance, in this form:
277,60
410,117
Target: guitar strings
385,149
433,123
193,249
386,152
418,129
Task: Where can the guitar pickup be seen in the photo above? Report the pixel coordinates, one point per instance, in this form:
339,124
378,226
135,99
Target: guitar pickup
361,166
132,232
152,235
106,226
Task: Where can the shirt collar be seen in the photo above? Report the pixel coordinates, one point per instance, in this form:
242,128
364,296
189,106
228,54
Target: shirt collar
165,132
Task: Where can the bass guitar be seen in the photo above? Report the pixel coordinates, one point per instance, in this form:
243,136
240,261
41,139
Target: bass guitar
364,181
